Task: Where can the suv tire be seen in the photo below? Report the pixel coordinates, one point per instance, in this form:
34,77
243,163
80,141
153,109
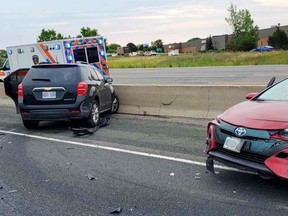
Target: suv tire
94,116
30,124
115,104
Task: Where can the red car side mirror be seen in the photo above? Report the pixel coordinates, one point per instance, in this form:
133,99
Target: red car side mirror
251,95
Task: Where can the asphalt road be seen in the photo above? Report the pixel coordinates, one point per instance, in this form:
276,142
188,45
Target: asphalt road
143,165
248,75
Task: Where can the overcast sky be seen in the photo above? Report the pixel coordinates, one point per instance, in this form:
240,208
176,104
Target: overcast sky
137,21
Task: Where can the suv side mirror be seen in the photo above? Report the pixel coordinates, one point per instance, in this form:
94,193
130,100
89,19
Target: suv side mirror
108,80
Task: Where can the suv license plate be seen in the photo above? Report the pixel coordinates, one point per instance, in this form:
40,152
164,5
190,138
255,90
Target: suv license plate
233,144
49,95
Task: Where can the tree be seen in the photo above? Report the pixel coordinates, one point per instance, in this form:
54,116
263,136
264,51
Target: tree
112,48
209,43
3,54
194,39
157,45
49,35
245,34
278,39
132,47
140,47
88,32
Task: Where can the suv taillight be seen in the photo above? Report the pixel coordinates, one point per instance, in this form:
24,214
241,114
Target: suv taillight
82,89
20,91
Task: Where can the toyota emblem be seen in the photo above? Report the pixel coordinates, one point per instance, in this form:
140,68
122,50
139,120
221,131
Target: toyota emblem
240,131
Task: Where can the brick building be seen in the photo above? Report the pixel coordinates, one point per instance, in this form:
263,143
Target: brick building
220,42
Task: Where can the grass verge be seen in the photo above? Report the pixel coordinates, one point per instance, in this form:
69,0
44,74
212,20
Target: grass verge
201,59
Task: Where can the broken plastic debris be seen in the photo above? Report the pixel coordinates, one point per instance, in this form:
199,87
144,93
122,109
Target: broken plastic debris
235,192
116,211
210,164
90,176
81,131
12,191
172,174
197,177
197,174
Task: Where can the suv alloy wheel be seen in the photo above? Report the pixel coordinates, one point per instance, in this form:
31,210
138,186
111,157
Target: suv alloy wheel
93,118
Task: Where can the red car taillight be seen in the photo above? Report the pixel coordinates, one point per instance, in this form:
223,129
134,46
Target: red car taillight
20,91
82,89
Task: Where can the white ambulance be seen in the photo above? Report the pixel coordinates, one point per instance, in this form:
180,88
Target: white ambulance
89,49
4,70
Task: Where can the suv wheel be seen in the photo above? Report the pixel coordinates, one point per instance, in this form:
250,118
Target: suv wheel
93,118
115,104
29,124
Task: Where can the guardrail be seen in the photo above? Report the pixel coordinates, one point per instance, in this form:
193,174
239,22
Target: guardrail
195,101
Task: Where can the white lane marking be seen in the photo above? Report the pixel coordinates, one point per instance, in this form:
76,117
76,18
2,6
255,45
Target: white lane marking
122,150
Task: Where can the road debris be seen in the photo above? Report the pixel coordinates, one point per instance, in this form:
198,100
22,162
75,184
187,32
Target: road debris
172,174
116,211
12,191
210,164
90,176
81,131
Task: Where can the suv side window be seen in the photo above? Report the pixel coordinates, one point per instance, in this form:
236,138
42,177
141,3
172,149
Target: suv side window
92,74
98,74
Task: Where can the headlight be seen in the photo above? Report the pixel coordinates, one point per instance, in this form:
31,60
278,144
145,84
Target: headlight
281,135
284,133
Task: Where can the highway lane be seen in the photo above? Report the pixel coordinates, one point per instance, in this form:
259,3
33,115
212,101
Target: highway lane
45,171
222,75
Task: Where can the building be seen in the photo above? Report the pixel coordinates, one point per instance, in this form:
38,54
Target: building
220,42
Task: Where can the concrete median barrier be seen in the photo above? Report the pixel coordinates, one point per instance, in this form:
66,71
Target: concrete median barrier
182,101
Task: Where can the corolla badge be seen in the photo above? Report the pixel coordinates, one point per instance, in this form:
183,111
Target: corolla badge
240,131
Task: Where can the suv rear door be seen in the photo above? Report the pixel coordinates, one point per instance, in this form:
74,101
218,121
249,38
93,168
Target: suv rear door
11,83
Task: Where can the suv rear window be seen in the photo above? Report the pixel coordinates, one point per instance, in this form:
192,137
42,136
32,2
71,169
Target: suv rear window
53,74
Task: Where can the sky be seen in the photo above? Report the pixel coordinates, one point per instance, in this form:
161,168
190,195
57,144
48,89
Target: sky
136,21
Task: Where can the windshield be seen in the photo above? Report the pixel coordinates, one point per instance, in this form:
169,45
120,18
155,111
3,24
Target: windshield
6,65
278,92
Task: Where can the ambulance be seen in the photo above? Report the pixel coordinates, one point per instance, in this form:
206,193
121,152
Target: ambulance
4,70
88,49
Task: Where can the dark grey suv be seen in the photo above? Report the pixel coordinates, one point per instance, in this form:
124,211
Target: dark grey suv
53,92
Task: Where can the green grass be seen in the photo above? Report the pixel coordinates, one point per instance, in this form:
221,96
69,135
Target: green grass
201,59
